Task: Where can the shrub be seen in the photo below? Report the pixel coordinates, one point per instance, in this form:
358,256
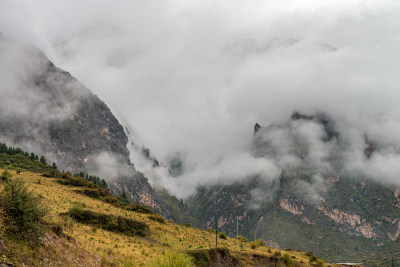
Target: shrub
138,208
320,262
6,175
242,239
157,218
51,174
287,260
187,224
172,259
108,222
23,211
256,243
209,229
200,257
222,235
309,254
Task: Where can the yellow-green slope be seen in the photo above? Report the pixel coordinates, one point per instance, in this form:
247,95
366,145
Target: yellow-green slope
107,248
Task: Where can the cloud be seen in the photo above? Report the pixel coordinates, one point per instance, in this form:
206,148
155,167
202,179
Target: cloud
192,78
109,166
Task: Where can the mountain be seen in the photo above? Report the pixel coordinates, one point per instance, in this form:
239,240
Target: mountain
46,110
320,205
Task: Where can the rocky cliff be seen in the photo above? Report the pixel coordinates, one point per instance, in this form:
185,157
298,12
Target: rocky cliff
340,215
45,110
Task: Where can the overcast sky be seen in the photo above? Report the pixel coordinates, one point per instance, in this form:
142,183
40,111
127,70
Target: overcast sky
193,77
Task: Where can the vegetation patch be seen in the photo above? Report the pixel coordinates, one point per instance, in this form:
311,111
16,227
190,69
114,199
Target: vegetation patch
242,239
157,218
108,222
22,211
172,258
287,259
256,244
200,257
223,236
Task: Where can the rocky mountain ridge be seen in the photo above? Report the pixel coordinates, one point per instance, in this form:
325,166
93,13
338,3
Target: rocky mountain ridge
47,111
338,214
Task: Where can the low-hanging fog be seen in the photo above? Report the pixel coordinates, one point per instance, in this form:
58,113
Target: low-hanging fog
191,78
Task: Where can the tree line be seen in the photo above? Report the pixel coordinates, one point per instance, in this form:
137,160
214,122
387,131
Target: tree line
9,150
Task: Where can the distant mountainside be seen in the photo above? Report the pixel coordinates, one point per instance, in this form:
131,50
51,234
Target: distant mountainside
45,110
338,214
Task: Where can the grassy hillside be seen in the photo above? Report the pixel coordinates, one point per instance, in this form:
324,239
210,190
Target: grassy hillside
122,249
89,244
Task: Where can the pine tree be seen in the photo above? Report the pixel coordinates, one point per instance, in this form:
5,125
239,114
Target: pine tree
43,160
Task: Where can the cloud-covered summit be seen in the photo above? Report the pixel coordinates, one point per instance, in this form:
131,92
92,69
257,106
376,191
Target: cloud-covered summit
193,78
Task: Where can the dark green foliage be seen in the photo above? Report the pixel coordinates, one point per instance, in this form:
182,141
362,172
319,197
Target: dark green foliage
256,244
123,199
13,150
138,208
5,176
186,224
157,218
17,159
54,166
95,179
22,162
23,211
287,260
43,160
68,179
108,222
52,174
200,257
242,239
313,259
222,236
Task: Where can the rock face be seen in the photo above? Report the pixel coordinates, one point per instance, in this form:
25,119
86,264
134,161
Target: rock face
339,215
45,110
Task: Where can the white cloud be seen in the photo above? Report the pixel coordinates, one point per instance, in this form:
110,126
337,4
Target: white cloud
162,66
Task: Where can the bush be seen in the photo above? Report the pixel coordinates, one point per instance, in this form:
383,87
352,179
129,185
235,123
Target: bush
313,259
222,235
23,211
287,260
256,244
172,259
242,239
186,224
157,218
200,257
6,175
108,222
320,262
138,208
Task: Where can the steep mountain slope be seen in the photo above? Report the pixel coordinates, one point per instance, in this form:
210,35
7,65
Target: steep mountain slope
45,110
75,240
318,205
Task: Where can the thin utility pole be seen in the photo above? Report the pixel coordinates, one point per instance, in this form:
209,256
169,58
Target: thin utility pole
237,228
216,224
216,232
